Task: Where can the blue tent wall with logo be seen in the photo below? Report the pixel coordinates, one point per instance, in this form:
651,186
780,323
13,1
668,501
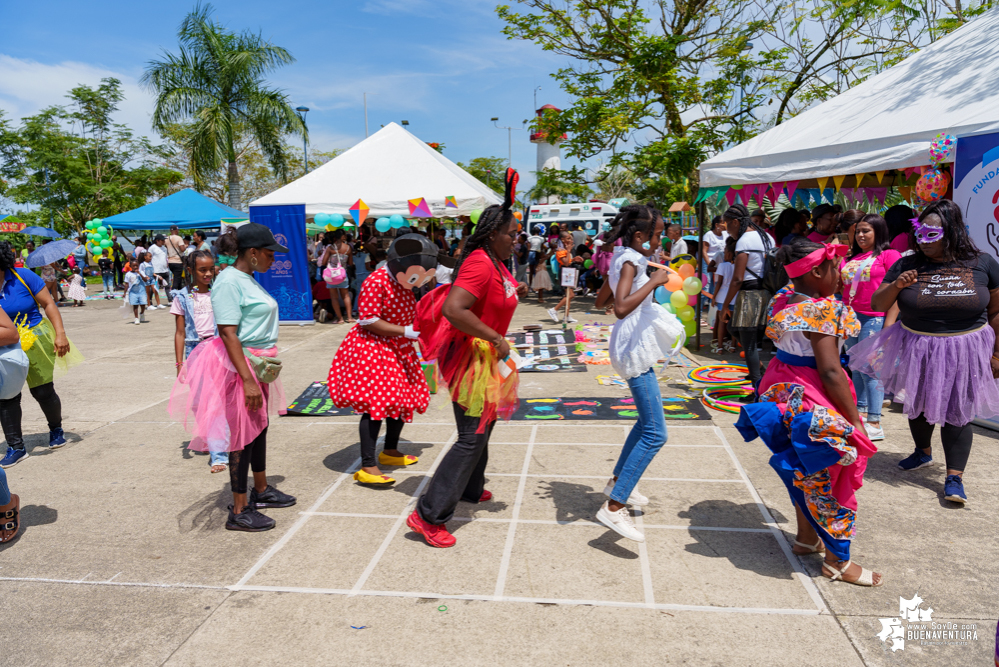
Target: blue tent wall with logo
288,278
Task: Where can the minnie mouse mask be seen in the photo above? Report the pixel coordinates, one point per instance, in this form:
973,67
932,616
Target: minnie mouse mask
412,260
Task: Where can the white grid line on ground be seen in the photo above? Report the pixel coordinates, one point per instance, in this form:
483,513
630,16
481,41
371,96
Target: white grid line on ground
547,476
277,546
401,517
42,580
643,557
512,530
550,522
556,601
806,581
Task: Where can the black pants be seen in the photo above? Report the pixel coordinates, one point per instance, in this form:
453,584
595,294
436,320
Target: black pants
10,413
118,279
369,438
750,340
956,440
462,473
254,456
177,269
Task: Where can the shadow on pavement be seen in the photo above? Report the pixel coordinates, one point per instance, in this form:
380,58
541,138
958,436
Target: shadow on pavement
33,515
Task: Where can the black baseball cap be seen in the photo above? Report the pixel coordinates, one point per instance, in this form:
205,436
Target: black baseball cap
255,235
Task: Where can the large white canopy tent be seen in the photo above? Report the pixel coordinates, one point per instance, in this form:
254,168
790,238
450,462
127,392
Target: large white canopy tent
885,123
386,170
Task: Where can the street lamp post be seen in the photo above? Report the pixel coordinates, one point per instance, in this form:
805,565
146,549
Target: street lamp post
509,138
305,142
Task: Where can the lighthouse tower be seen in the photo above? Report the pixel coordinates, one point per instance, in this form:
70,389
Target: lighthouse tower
549,155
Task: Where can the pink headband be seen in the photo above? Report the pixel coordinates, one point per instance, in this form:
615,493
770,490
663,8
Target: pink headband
815,258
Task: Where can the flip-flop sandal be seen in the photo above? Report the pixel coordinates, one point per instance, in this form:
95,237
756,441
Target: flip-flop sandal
224,467
10,521
866,577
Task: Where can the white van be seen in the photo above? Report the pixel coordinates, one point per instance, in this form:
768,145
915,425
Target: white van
587,216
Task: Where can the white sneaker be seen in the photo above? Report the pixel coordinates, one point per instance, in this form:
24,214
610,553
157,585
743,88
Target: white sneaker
620,522
552,314
571,320
874,432
136,321
142,319
634,499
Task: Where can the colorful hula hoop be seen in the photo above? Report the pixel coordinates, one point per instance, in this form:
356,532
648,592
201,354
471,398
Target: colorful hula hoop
720,374
717,399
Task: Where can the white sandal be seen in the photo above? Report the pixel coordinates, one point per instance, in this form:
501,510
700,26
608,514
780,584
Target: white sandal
866,577
816,548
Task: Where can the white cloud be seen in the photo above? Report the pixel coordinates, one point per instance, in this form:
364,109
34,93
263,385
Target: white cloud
27,86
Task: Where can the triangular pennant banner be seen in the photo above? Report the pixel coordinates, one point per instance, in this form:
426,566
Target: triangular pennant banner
778,188
730,195
822,182
880,175
878,193
906,192
838,181
702,193
720,190
860,177
790,186
848,193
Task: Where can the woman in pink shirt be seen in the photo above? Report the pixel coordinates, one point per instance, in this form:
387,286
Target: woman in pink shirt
825,218
862,272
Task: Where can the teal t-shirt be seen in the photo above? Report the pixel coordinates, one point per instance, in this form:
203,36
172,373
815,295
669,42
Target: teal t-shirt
239,299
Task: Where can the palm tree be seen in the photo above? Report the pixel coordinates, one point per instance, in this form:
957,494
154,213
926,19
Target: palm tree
216,82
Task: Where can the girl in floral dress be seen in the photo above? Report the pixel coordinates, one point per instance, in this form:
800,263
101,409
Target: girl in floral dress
807,414
376,370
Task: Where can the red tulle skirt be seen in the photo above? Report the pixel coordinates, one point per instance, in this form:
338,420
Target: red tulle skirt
207,398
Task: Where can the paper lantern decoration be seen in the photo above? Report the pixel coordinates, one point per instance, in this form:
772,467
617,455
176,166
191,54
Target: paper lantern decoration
419,208
692,286
383,225
941,147
678,299
685,313
932,185
359,211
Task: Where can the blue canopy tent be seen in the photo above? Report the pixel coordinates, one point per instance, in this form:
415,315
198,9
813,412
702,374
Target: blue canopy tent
187,209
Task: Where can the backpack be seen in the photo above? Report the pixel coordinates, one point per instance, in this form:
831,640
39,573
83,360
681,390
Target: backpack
774,276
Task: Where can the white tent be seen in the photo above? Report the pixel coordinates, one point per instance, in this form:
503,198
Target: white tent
386,170
886,122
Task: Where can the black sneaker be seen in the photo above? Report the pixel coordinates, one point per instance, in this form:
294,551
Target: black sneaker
271,497
249,520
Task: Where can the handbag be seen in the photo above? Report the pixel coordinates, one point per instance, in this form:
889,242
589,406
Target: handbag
334,275
267,369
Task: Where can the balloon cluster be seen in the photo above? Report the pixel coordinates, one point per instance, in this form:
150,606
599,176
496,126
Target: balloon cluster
934,181
329,221
941,146
395,221
98,236
679,294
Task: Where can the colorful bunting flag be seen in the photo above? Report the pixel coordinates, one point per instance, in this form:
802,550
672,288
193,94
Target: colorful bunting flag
450,202
838,181
822,182
848,193
880,175
730,195
860,177
359,211
906,192
876,194
419,208
790,186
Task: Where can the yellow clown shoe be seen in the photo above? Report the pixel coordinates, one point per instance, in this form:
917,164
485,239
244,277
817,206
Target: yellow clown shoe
367,478
386,460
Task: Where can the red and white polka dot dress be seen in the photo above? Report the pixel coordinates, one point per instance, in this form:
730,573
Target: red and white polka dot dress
376,374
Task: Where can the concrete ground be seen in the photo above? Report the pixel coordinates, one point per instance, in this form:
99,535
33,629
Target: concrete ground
124,559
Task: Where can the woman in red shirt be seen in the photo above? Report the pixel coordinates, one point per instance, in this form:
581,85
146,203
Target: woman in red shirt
470,348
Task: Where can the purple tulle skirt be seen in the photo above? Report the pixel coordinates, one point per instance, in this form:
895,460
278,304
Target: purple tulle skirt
947,379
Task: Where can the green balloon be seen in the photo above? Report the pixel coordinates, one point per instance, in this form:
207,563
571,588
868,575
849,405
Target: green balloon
91,237
588,264
669,308
678,299
89,224
102,230
106,243
475,217
97,222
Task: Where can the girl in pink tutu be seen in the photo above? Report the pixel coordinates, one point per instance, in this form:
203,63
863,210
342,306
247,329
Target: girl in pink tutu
229,384
376,370
807,414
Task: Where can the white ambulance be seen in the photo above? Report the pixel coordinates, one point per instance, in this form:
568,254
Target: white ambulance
587,216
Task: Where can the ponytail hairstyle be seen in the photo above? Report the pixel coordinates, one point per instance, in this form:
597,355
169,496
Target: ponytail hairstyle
741,213
630,220
7,256
226,244
493,219
797,249
191,264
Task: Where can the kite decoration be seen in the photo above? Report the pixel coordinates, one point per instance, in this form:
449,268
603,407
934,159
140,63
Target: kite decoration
359,211
450,202
419,208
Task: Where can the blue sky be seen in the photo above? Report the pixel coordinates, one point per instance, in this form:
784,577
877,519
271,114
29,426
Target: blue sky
443,65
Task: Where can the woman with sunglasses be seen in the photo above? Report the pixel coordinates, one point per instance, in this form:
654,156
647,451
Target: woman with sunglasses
943,352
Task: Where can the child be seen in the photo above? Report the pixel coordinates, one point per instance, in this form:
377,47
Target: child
565,260
50,275
77,290
192,310
542,280
376,370
135,292
807,414
723,278
107,274
151,280
643,333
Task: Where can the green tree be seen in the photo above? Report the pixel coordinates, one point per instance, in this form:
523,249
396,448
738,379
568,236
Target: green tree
217,82
554,183
76,163
489,170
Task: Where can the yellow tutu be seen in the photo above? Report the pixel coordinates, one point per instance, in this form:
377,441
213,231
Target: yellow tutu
45,366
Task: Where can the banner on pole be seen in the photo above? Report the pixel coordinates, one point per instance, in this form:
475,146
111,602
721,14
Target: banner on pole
288,278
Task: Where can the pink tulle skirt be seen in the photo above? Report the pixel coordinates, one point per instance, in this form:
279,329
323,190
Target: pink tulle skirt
208,400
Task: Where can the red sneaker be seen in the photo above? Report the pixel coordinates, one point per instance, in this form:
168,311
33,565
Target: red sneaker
436,536
487,495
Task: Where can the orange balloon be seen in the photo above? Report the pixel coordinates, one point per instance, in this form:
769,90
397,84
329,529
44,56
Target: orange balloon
674,283
686,271
518,215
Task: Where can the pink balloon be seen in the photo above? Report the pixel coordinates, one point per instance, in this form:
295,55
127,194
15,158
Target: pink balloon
692,301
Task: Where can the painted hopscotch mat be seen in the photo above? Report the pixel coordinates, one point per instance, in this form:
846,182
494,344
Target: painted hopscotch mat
315,401
606,408
549,351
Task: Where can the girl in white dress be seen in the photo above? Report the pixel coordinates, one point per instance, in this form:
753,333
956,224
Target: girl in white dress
542,280
644,333
77,290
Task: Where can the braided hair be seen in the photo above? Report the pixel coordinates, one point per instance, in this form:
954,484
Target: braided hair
957,244
191,265
7,257
492,220
630,220
741,213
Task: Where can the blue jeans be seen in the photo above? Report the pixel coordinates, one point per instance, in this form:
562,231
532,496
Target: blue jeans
108,278
869,393
216,458
4,491
647,436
